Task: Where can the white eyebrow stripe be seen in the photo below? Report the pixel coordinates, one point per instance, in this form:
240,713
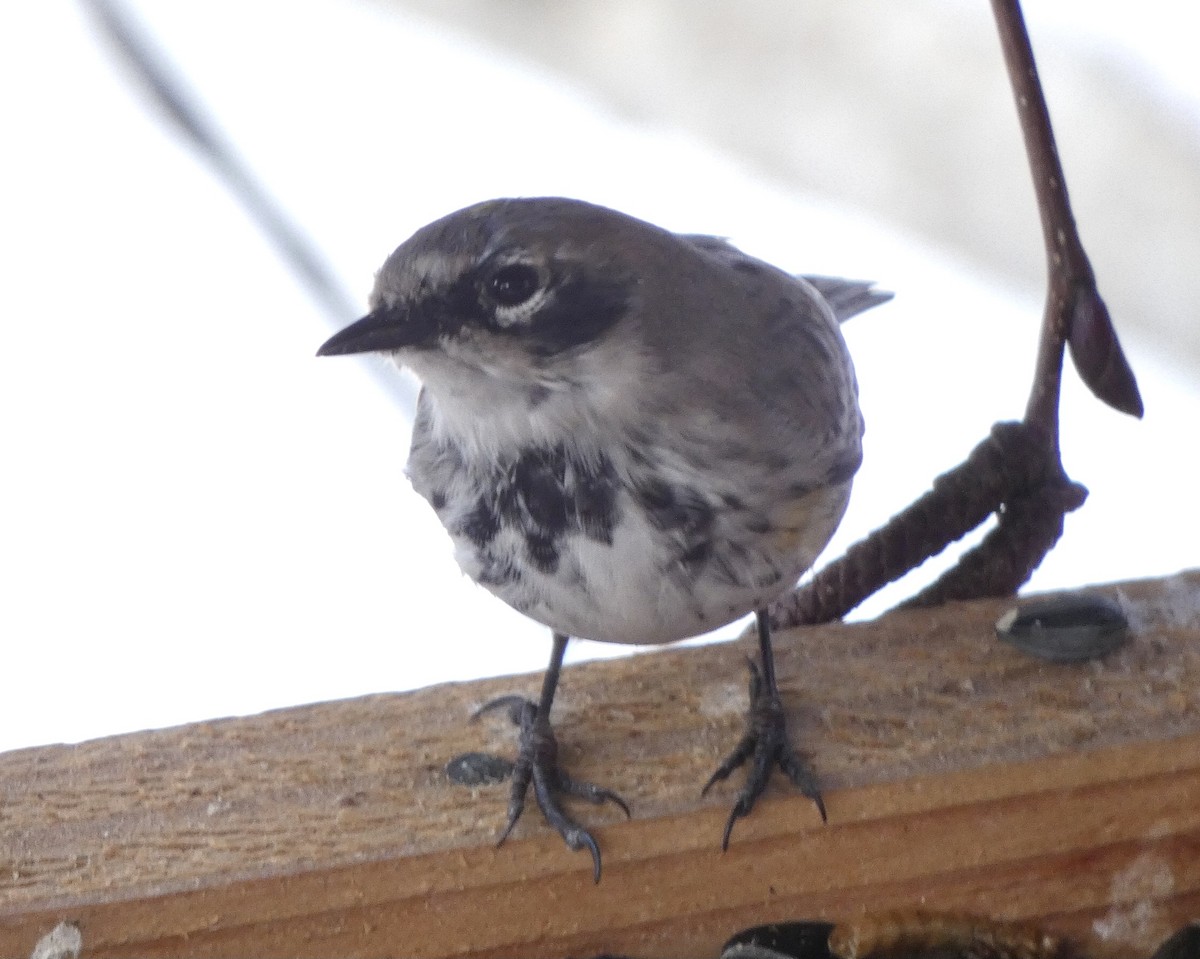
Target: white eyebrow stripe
437,269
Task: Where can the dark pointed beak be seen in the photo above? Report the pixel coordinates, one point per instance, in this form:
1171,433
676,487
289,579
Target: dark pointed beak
384,330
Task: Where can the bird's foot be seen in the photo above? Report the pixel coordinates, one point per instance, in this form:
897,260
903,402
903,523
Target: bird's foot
765,743
537,765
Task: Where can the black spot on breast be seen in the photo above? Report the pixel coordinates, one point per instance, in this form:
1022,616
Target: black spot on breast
657,498
674,508
596,502
480,525
546,496
438,501
682,513
734,564
542,551
534,495
697,555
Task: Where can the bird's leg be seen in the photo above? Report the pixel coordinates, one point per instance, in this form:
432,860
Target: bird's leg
765,742
537,764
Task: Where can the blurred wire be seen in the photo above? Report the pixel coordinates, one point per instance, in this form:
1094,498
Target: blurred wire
182,108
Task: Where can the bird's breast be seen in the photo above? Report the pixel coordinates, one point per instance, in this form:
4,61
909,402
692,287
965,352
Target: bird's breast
612,548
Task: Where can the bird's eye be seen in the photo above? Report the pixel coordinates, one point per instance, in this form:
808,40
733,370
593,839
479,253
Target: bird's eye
512,285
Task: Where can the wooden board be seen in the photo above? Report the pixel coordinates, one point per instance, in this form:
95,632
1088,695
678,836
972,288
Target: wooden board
960,775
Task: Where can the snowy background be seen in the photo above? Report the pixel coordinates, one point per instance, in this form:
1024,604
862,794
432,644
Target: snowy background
199,518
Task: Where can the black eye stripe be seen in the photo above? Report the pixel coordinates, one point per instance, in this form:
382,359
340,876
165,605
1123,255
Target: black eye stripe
583,309
579,307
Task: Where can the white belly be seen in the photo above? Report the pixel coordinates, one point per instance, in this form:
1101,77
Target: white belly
635,590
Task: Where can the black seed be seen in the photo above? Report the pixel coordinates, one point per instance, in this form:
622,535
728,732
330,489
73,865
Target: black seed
1184,944
1066,628
478,769
788,940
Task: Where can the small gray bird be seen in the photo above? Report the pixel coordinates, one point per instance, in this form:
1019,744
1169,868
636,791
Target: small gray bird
631,435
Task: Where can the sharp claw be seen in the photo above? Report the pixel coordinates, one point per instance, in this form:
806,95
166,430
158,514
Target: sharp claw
766,745
597,795
803,779
739,755
537,763
587,840
537,766
504,832
735,814
721,773
719,776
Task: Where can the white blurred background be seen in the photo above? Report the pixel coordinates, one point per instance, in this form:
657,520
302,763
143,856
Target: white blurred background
199,518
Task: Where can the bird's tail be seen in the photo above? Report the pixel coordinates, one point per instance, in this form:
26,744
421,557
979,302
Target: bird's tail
848,297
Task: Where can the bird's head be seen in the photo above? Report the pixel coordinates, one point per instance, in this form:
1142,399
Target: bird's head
513,290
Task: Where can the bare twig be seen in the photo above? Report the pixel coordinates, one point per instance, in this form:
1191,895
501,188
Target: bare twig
185,112
1075,313
1011,460
1017,472
181,107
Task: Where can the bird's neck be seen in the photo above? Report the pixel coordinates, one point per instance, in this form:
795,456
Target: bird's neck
491,420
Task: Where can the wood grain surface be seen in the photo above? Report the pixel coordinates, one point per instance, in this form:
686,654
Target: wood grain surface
960,775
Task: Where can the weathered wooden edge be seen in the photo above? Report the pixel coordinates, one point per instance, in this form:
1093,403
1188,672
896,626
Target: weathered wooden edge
1103,839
